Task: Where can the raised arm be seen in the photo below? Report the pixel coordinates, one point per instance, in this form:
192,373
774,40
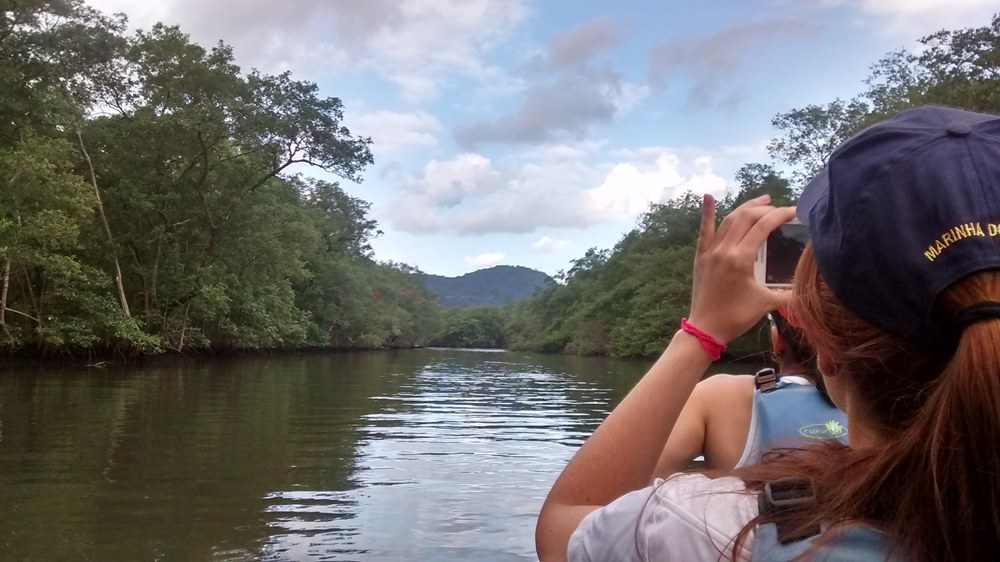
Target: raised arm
621,454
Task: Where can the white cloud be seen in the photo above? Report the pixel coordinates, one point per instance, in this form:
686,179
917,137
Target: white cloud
912,18
394,132
412,43
933,12
626,96
142,14
726,160
469,196
448,183
567,151
628,190
435,37
549,244
485,260
443,185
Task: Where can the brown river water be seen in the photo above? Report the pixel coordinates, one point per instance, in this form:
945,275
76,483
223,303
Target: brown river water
428,454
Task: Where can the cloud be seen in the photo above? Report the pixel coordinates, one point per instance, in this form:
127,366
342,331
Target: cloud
412,43
576,96
710,60
394,132
470,196
443,186
566,108
549,244
925,16
628,190
485,260
725,159
264,33
563,151
574,47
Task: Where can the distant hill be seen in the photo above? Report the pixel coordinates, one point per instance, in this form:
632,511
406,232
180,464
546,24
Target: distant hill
497,285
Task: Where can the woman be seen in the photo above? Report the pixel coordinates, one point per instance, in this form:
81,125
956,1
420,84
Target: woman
898,295
730,422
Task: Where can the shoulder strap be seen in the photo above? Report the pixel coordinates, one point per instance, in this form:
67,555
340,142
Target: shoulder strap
766,379
787,494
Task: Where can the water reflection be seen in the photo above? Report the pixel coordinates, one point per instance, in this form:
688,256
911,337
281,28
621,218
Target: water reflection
417,455
453,463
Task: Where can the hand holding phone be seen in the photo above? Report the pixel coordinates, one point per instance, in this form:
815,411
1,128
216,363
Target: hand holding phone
779,256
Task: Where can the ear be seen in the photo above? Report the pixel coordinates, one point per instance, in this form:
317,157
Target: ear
777,344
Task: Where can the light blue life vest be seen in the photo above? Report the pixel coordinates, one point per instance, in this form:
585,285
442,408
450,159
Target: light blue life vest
789,412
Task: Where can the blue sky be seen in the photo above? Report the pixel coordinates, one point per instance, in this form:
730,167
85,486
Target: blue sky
523,132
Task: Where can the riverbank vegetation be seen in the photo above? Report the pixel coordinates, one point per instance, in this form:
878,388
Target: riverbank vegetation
153,198
150,200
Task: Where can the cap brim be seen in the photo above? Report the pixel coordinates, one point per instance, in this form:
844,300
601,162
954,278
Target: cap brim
814,192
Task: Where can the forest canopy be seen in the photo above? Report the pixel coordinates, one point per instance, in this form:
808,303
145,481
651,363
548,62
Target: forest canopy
150,200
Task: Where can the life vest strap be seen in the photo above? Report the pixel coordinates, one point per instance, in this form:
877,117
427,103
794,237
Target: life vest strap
766,379
788,494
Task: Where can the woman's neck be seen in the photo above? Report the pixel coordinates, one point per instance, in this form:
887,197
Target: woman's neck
796,369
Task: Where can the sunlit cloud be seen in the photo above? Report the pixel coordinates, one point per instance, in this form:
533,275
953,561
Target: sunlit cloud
549,244
417,45
488,259
468,195
396,132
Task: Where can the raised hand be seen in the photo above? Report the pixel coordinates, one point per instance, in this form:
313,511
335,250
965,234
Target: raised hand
726,300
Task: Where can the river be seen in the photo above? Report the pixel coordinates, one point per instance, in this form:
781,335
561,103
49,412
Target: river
436,455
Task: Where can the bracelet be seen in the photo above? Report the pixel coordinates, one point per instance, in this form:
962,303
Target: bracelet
712,346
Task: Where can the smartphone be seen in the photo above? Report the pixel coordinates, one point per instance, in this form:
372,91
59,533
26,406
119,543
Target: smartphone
778,257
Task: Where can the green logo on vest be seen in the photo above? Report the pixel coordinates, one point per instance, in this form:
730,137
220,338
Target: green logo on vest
832,429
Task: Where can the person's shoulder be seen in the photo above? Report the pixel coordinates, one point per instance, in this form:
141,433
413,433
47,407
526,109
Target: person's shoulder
685,517
692,516
723,380
724,386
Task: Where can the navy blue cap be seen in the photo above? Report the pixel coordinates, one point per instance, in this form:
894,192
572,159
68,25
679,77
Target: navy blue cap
904,209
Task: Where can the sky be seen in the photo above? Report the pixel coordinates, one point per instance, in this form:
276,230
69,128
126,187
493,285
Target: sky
523,132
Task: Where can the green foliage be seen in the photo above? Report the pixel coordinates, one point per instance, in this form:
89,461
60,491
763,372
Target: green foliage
623,302
810,134
757,179
481,327
153,156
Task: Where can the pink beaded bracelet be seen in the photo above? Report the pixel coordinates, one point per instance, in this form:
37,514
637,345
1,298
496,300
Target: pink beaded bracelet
712,346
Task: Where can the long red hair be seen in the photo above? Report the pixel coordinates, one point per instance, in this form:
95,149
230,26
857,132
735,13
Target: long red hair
933,485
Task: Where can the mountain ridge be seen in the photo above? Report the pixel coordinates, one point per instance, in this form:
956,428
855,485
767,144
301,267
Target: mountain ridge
495,285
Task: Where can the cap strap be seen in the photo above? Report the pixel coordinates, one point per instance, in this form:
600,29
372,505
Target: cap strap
976,312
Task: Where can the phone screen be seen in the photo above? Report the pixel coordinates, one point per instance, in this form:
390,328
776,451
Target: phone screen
784,246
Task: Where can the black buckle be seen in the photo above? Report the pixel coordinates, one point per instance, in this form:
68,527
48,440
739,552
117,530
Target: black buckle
787,494
766,379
